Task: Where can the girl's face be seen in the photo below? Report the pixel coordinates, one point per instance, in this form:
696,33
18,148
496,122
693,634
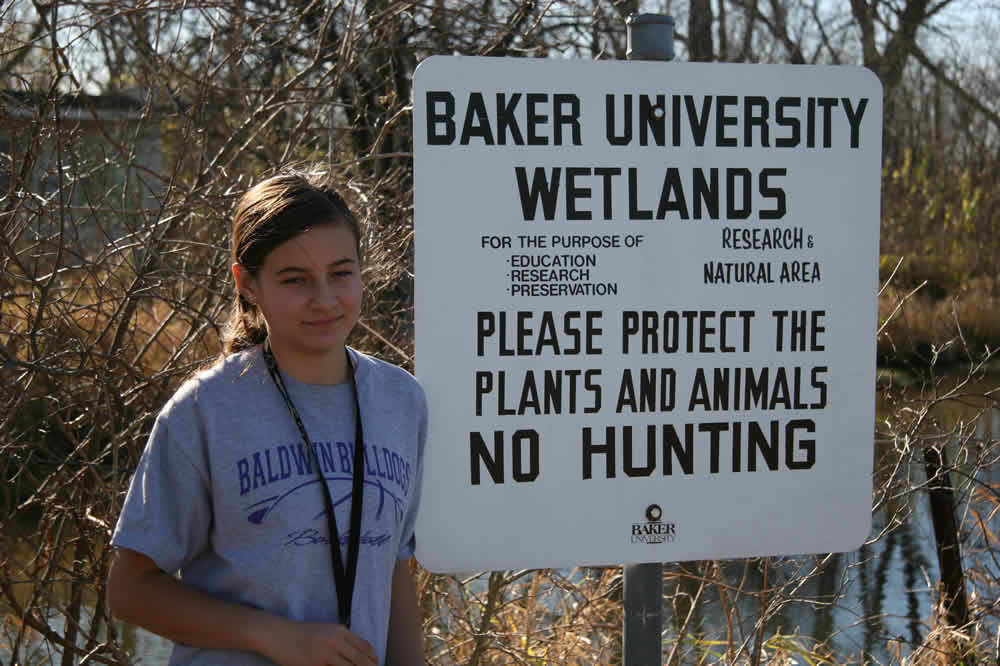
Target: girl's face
309,292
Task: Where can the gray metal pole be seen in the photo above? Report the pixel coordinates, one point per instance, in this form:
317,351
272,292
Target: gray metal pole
642,642
650,37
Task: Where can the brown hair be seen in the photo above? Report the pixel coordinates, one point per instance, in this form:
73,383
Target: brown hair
268,214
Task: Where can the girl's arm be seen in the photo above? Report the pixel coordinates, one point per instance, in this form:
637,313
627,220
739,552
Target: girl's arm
406,643
141,593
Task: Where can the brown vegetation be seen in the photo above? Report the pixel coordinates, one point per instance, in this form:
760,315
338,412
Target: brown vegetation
939,258
114,282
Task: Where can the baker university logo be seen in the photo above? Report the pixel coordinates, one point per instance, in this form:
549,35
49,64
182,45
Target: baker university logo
654,530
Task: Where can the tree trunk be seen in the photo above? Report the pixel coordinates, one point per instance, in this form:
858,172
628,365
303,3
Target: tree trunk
949,552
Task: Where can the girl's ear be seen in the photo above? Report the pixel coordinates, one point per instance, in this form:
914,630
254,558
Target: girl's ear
245,283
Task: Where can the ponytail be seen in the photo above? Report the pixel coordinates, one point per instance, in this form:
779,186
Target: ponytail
245,328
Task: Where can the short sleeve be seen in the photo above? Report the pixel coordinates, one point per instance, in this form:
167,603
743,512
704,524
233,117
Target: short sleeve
167,513
408,540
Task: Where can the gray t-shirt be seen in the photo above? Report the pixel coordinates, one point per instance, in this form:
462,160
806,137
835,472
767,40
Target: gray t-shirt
227,496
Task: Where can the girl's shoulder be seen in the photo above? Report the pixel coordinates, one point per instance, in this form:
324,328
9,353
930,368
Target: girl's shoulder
365,364
224,381
383,376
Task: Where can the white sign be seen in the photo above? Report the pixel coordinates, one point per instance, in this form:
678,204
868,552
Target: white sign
645,309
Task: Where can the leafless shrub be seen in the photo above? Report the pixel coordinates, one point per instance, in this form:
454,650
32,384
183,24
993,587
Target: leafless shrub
114,280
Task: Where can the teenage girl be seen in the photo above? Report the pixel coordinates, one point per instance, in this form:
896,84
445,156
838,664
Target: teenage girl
270,519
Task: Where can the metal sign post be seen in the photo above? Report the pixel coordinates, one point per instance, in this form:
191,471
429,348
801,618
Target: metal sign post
650,37
641,640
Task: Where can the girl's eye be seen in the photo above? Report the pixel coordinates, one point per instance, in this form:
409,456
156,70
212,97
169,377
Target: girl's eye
293,280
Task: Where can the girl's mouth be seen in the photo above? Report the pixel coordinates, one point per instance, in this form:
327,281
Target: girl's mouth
322,322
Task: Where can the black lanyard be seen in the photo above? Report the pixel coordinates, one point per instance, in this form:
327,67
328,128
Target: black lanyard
344,578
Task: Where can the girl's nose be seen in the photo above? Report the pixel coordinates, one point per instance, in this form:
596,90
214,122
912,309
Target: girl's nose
324,295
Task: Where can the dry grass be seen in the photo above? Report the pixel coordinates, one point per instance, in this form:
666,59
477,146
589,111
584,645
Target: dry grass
918,329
